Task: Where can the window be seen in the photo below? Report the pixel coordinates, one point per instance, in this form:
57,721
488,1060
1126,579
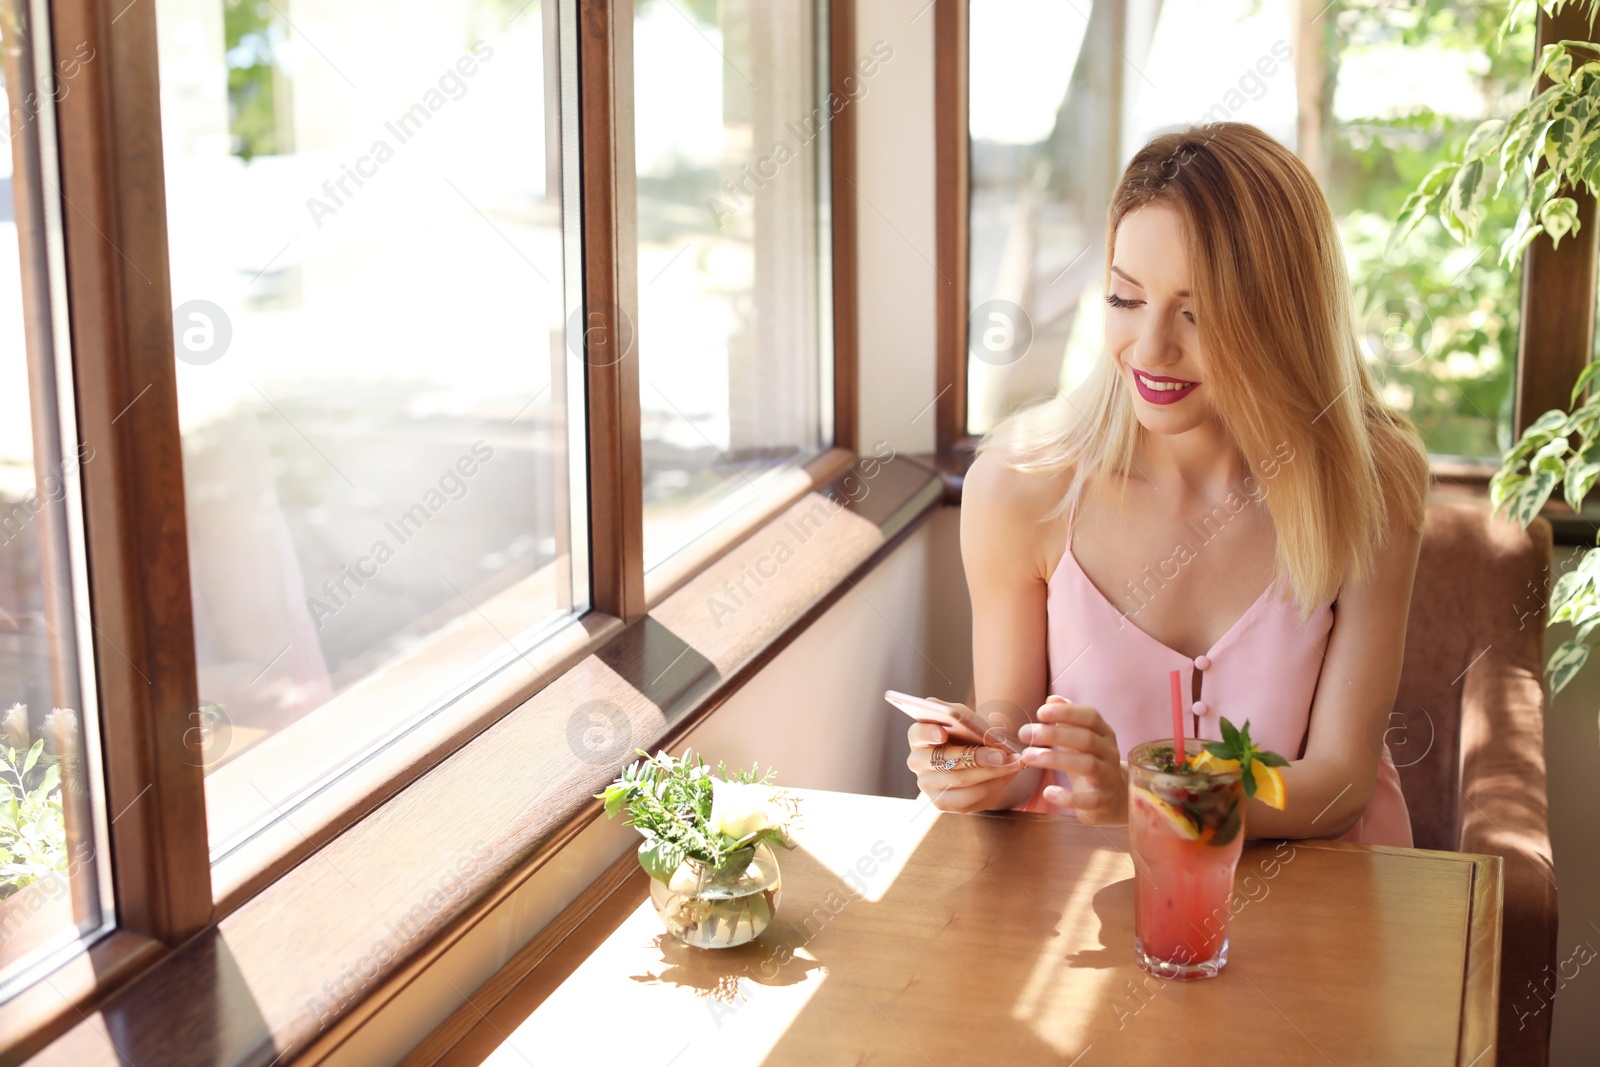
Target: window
55,883
1368,94
382,421
731,147
408,489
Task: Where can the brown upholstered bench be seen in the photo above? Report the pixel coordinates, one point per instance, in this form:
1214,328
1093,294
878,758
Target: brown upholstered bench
1468,734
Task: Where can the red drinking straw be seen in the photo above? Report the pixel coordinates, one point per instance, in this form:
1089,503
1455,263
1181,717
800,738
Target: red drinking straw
1179,755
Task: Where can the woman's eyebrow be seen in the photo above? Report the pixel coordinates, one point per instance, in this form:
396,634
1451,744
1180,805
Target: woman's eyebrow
1118,270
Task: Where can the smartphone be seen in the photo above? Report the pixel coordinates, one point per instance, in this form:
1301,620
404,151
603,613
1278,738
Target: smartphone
957,718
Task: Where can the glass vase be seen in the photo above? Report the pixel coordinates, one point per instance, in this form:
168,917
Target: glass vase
719,907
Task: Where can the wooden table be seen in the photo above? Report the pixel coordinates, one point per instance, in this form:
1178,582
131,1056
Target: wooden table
908,936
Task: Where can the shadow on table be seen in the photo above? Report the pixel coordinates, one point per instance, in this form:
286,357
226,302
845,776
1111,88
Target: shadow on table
1112,905
718,976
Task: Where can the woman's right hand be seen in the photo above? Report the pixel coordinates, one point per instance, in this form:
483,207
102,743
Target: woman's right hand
981,787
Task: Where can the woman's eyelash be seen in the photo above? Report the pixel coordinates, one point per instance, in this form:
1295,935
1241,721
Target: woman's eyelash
1118,302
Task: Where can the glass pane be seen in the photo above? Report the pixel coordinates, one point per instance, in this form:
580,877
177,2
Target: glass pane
369,272
729,139
54,882
1045,156
1439,319
1369,95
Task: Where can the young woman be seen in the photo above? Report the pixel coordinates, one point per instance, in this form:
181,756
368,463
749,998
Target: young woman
1227,496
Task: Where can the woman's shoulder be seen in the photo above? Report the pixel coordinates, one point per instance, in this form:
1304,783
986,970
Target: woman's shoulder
1004,520
995,483
1006,513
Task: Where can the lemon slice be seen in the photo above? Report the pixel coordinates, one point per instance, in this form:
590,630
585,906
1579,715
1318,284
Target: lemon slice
1270,789
1169,815
1209,764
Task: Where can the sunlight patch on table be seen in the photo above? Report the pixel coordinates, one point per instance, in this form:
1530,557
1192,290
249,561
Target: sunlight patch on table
1058,1011
729,1005
870,854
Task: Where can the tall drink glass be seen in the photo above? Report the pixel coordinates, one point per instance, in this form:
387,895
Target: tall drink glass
1185,830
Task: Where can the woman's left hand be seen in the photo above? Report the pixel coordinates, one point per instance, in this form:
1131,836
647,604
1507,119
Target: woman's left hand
1073,738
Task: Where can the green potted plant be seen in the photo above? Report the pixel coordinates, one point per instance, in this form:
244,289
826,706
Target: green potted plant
1542,154
707,846
35,902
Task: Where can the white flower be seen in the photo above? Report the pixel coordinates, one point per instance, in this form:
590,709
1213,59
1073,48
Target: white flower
14,728
742,808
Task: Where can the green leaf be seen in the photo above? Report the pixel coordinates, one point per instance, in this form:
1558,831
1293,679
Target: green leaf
1509,21
1521,236
1421,201
1219,749
52,778
1546,424
1555,62
1581,475
1271,759
1459,211
1230,734
1542,188
1504,486
33,755
760,910
1485,139
1530,500
1565,663
1513,148
1248,777
1557,135
659,859
1550,457
1583,380
1567,586
1576,586
1559,217
1228,828
616,796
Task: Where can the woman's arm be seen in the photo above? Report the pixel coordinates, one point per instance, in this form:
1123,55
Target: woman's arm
1006,580
1329,788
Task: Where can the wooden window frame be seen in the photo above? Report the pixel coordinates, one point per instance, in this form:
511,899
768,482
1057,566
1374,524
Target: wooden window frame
518,785
1558,284
171,905
952,192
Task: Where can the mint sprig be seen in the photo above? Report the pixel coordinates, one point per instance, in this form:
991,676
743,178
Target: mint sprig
1236,745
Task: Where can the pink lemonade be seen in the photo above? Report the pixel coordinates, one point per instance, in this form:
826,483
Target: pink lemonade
1185,830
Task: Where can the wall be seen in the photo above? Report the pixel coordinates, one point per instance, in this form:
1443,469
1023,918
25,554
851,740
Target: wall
1572,749
894,182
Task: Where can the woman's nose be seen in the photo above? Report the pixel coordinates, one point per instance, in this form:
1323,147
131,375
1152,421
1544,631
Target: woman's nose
1156,347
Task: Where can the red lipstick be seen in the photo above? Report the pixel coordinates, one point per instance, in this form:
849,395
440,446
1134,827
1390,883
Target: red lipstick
1161,396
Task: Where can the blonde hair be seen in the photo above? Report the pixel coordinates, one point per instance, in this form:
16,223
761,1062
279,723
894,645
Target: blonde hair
1272,304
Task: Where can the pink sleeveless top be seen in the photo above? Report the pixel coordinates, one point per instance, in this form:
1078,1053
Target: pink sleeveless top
1264,669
